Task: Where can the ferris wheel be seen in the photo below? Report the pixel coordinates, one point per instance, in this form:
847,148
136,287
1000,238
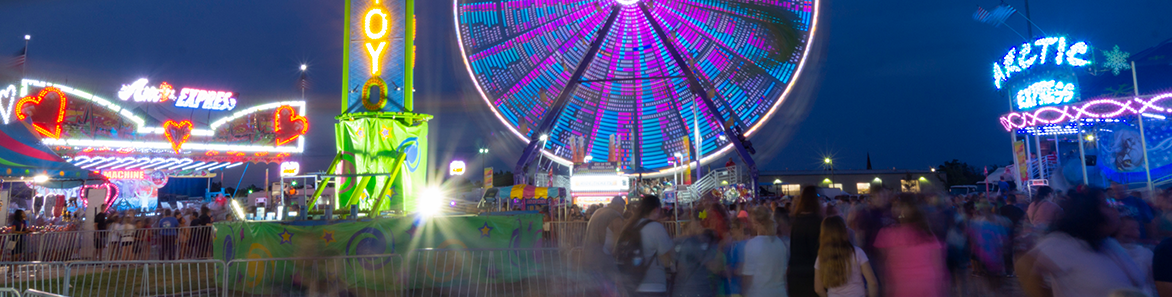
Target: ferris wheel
653,84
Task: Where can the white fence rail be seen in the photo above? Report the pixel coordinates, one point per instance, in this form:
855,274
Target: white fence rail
43,276
142,244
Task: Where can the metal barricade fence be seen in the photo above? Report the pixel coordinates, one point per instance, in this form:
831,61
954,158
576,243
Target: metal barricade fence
38,293
495,272
44,276
140,244
566,234
366,275
427,272
9,292
144,278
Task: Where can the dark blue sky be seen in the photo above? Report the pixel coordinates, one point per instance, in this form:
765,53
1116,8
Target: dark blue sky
907,81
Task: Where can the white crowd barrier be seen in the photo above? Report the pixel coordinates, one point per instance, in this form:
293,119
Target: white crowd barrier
142,244
42,276
425,272
144,278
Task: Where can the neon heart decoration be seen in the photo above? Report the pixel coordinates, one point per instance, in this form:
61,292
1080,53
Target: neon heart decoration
177,133
286,127
6,109
47,120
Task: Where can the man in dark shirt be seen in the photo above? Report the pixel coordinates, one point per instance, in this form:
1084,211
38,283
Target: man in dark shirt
100,225
204,240
1015,214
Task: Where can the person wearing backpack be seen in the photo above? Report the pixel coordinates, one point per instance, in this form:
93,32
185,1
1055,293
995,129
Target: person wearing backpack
644,251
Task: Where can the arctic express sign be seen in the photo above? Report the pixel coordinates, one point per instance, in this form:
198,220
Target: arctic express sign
187,97
1039,73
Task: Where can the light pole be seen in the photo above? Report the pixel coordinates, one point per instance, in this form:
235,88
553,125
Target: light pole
829,165
24,64
303,68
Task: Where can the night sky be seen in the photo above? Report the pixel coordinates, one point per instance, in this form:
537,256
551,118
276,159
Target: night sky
907,81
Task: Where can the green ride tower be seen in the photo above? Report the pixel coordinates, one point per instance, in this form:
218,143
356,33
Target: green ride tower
382,142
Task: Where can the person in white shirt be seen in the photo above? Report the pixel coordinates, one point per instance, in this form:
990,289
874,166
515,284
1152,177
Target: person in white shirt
841,267
655,241
766,258
114,236
127,236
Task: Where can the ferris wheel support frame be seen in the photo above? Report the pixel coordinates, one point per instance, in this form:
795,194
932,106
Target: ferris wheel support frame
698,90
532,150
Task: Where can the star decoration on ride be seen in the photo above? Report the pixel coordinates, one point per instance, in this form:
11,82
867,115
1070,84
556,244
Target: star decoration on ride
286,237
1116,60
486,230
327,236
414,227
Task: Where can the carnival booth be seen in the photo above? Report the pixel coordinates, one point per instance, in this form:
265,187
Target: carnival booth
1084,115
57,186
145,133
523,197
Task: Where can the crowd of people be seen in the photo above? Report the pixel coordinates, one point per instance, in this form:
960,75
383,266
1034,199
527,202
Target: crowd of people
1087,242
117,235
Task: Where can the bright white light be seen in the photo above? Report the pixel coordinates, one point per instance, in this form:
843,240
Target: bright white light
588,158
544,137
457,167
599,183
431,202
777,181
303,67
627,2
290,168
236,209
27,37
40,178
722,138
933,169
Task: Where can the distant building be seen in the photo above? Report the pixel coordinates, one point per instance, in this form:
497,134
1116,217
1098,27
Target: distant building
859,182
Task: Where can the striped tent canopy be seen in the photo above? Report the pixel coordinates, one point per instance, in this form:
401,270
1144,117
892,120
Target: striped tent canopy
23,155
524,193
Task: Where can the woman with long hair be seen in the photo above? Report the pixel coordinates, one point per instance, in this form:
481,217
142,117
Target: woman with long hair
805,230
766,256
914,257
841,267
1043,211
19,227
655,244
1079,258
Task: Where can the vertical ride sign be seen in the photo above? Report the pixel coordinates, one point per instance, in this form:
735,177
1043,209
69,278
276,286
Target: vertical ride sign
379,56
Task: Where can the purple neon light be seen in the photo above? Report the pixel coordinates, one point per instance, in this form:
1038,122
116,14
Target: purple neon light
1094,109
514,49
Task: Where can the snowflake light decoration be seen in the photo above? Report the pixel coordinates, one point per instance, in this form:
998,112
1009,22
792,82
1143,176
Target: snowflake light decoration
1117,60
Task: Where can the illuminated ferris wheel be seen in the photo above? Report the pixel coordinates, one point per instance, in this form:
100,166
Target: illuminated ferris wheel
639,81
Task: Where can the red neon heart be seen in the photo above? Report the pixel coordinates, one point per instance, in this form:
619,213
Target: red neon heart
286,127
177,133
47,115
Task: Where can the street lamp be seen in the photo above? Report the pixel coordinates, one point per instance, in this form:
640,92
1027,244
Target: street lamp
302,82
27,37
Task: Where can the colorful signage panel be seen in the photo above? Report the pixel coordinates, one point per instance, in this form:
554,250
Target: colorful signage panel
140,91
379,56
